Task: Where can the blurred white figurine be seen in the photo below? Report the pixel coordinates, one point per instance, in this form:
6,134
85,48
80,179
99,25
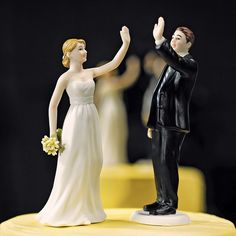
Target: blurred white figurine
75,196
112,111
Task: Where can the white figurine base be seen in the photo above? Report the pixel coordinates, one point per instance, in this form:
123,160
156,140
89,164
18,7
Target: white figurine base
143,217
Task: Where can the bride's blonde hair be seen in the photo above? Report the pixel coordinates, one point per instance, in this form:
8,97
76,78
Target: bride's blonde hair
68,46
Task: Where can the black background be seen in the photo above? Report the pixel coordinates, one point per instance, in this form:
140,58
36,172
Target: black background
32,34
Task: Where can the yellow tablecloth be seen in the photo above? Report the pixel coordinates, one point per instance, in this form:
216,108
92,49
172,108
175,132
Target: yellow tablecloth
118,224
132,186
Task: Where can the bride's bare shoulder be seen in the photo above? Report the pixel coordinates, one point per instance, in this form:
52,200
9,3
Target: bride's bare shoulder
64,78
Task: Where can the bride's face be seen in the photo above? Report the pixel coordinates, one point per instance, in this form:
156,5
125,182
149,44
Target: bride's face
79,53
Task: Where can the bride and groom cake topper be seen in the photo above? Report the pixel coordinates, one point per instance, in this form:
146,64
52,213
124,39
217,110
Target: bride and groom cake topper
75,196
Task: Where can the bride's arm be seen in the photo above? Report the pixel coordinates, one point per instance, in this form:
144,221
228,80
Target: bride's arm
55,99
115,62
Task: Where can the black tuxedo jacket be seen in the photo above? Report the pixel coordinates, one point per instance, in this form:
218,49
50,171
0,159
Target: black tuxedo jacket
171,97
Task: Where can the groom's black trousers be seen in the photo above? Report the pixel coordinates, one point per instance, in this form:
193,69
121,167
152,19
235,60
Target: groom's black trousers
166,145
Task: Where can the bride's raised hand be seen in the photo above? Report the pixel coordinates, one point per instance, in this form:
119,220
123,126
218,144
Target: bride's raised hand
125,36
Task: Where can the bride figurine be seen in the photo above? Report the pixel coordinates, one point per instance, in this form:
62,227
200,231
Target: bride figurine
75,196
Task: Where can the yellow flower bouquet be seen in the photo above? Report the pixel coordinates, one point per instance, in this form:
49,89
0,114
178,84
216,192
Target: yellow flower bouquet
53,145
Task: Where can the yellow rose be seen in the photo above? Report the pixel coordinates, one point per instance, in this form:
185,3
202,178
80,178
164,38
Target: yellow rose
50,145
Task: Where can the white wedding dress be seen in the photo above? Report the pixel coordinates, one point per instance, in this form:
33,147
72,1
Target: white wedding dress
75,196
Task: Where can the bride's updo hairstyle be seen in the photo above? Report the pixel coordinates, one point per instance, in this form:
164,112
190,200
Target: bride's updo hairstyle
68,46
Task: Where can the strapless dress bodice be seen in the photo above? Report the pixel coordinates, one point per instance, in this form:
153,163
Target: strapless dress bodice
81,91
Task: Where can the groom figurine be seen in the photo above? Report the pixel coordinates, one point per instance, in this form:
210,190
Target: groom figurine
169,114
